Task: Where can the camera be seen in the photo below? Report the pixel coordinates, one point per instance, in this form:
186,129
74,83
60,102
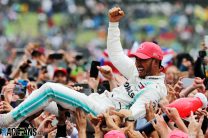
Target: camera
25,66
202,54
57,56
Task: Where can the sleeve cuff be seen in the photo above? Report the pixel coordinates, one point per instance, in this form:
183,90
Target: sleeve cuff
113,24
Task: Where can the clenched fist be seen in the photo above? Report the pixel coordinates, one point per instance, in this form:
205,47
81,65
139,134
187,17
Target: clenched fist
106,71
115,14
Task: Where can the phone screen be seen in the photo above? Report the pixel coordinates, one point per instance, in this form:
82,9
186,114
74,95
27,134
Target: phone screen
187,82
93,70
20,90
2,97
54,122
57,56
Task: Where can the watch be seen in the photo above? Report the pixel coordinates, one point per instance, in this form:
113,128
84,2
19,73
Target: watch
130,119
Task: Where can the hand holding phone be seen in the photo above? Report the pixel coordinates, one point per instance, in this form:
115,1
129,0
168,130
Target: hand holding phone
21,88
94,70
25,66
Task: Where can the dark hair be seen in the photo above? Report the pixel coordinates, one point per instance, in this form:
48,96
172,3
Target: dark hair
181,56
160,65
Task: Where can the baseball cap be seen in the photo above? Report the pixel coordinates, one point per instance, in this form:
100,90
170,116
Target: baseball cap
114,134
148,50
177,134
63,70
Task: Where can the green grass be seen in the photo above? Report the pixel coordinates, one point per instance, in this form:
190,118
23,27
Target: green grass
24,26
154,20
84,37
27,25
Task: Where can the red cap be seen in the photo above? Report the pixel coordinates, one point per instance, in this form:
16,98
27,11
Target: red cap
41,50
148,50
114,134
63,70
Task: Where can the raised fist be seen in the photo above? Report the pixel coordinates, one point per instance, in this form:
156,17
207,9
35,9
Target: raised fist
115,14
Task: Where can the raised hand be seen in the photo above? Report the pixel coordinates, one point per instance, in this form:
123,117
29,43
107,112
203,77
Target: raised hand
31,87
96,124
161,127
134,134
81,121
93,83
172,94
194,126
115,14
199,84
149,111
45,127
111,125
178,86
106,71
172,113
8,91
5,107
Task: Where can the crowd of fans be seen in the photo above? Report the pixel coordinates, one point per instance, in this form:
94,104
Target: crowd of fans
26,71
184,25
37,67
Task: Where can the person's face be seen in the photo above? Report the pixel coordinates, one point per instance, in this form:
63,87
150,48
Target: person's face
171,75
60,78
145,67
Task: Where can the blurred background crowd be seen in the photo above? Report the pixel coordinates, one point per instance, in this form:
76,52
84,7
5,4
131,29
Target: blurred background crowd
70,24
56,40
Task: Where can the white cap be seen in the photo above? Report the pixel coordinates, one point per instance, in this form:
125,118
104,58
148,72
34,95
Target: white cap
203,99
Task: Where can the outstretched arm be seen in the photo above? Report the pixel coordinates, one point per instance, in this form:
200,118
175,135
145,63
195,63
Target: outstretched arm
122,62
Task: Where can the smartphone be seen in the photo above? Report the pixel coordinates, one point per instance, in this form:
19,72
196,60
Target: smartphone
20,90
54,122
2,97
2,82
202,54
206,41
84,85
93,70
57,56
187,82
23,82
86,88
20,51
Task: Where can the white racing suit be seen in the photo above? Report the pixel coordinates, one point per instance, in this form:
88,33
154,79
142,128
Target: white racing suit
132,95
